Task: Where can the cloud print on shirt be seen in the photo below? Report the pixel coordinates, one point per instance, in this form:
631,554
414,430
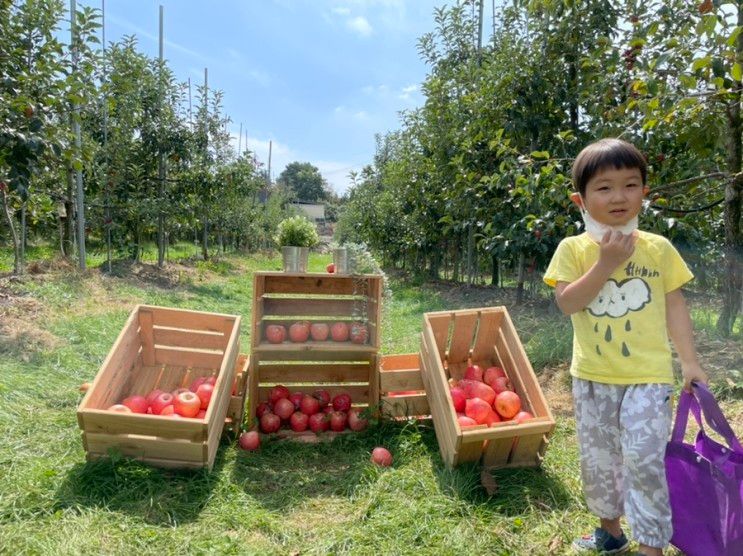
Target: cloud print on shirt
617,299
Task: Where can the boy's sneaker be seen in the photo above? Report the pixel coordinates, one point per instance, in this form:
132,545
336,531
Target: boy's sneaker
602,542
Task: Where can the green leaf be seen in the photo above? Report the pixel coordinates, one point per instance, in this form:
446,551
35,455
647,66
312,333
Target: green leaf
540,155
736,71
700,63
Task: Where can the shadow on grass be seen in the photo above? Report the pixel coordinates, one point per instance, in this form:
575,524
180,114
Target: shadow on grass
160,497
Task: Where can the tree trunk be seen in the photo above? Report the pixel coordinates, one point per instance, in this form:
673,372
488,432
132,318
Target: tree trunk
24,233
205,240
494,277
17,262
520,279
733,247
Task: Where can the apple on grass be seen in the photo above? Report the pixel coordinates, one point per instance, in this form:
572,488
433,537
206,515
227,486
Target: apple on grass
381,456
250,441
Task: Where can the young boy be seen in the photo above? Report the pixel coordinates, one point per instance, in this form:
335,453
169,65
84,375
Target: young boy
621,287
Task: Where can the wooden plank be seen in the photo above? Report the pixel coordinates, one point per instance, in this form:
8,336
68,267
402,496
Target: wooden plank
515,373
253,376
507,429
525,449
187,358
108,422
146,336
259,288
319,347
312,309
463,332
404,406
375,309
402,379
315,283
497,452
490,322
162,463
537,399
110,370
442,408
217,410
360,393
374,382
439,324
187,318
189,338
145,447
313,372
469,451
401,361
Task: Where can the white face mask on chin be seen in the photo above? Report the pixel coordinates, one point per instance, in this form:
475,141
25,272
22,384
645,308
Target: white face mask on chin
596,230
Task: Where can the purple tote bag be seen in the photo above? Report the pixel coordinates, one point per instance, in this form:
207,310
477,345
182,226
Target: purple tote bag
705,481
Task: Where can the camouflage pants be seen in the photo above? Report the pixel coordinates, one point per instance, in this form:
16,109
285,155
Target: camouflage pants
622,435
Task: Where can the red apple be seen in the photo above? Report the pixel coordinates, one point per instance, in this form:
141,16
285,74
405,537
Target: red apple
478,410
501,384
270,422
473,372
275,333
491,373
284,408
152,395
359,333
330,268
204,392
119,408
342,402
168,411
201,414
459,398
322,396
309,405
277,392
187,404
381,456
299,421
319,331
522,416
339,332
165,399
507,404
250,441
465,421
138,404
328,409
338,420
355,421
263,407
198,381
296,399
299,332
211,380
319,422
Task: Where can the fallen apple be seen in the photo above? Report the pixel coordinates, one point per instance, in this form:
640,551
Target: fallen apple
250,441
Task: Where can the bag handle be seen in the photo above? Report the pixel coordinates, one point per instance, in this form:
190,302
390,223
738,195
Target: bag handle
713,415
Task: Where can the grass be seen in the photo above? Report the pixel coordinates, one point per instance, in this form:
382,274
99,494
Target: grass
285,499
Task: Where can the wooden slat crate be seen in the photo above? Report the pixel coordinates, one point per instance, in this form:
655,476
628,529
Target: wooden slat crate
450,341
163,348
285,298
401,390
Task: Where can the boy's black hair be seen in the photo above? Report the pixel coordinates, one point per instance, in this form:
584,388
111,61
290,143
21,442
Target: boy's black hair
603,154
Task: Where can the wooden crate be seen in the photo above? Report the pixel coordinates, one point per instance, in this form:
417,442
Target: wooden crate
236,407
450,341
401,390
163,348
285,298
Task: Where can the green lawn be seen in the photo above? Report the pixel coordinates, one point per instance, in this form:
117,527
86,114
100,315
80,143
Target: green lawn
289,498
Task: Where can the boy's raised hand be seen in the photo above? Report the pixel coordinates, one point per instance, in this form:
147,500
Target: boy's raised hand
616,247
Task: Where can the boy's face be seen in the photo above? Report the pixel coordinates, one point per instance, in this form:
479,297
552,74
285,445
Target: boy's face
613,196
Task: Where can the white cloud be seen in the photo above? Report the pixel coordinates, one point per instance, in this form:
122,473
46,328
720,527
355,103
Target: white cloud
341,11
360,25
407,92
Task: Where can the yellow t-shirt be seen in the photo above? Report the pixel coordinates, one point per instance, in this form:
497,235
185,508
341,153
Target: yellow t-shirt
621,336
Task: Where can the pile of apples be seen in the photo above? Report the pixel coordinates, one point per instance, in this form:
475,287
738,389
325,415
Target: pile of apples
301,331
486,397
316,412
191,402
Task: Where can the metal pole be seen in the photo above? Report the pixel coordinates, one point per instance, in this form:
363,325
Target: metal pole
78,146
190,114
270,148
161,161
107,184
240,140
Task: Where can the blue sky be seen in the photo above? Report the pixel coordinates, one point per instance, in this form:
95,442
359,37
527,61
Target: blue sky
318,78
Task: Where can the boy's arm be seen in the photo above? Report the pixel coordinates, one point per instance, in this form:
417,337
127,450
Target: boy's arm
680,330
615,248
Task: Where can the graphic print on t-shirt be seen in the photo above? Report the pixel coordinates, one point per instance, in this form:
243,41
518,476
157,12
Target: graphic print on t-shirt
615,300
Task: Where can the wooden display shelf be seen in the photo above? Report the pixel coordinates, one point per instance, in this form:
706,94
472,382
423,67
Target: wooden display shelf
310,345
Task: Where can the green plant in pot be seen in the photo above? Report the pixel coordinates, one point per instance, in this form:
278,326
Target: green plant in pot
296,235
